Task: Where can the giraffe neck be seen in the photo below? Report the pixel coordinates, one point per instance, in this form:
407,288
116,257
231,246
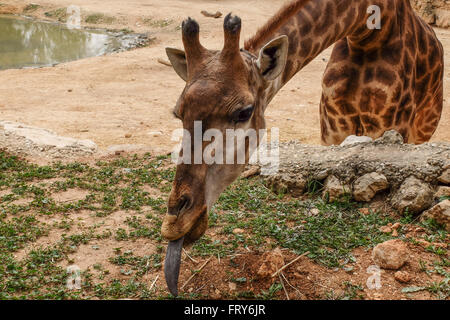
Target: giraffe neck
314,25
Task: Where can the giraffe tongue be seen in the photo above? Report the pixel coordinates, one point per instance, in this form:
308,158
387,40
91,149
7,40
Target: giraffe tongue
172,265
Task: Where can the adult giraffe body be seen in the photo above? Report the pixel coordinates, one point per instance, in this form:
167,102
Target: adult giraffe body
376,80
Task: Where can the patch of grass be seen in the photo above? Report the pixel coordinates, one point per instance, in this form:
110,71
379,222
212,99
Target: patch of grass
271,292
31,7
314,187
59,14
329,236
440,289
139,264
122,289
158,23
206,246
351,292
112,186
17,232
328,230
99,18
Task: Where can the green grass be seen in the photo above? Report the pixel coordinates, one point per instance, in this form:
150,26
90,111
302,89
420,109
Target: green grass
329,236
158,23
111,186
31,7
99,18
29,211
59,14
141,265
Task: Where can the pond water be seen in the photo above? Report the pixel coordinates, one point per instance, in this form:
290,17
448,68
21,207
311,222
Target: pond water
29,43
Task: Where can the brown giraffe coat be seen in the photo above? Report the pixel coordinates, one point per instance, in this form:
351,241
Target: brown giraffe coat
376,80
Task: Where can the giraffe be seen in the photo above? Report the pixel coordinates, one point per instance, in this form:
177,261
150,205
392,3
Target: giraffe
376,80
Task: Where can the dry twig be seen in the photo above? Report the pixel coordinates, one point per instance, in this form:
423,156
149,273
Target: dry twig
216,15
164,62
284,288
287,265
153,283
195,273
187,255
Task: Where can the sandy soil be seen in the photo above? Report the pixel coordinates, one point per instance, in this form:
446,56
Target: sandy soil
107,98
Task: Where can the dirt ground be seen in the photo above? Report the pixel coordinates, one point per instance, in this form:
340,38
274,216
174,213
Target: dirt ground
127,98
107,99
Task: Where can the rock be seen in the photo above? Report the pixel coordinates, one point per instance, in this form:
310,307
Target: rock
250,172
38,140
238,231
334,189
127,148
413,196
440,245
426,12
281,183
364,211
391,254
391,137
155,133
442,191
128,135
445,177
442,18
351,140
395,161
215,15
270,262
396,225
365,187
419,229
435,12
394,233
402,276
232,286
440,213
385,229
423,243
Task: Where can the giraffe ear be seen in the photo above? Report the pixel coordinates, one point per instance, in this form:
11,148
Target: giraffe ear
177,58
272,58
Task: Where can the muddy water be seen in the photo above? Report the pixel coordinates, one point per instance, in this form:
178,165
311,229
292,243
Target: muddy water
28,43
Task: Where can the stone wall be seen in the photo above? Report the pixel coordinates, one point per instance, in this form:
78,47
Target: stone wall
435,12
412,178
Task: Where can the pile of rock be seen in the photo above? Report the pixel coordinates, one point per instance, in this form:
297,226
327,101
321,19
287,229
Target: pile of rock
434,12
413,178
26,140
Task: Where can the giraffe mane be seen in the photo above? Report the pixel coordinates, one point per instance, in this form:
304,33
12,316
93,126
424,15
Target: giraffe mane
274,23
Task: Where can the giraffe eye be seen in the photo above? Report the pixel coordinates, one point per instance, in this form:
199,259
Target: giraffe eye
243,114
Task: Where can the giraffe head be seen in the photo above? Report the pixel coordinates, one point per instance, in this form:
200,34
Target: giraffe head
225,89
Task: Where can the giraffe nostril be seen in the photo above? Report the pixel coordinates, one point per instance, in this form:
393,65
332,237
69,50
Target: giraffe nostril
183,204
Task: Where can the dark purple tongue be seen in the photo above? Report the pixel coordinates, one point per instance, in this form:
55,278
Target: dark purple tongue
172,265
